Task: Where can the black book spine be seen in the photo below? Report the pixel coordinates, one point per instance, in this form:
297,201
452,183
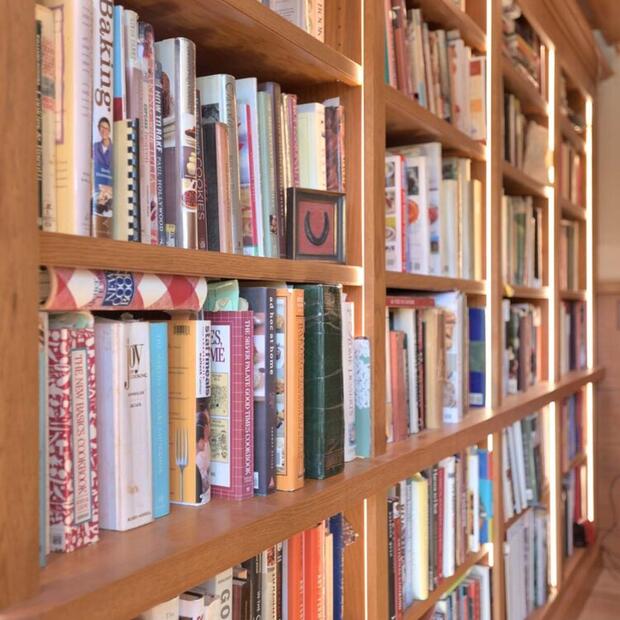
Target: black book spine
210,165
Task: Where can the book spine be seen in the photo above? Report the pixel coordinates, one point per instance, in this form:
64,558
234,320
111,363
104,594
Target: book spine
44,482
159,154
159,418
201,187
39,111
73,61
314,562
348,362
247,182
120,102
363,394
391,560
74,502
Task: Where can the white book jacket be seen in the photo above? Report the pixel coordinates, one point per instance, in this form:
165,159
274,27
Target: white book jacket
123,423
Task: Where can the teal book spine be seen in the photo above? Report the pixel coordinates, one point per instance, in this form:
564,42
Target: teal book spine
159,418
323,387
362,397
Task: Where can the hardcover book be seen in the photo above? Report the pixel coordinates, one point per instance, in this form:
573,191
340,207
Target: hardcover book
44,516
201,181
348,363
477,379
246,180
290,344
169,610
363,397
178,62
126,219
231,404
189,381
262,303
124,423
74,499
323,387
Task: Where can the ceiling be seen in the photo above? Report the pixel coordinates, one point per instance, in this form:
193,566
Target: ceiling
604,15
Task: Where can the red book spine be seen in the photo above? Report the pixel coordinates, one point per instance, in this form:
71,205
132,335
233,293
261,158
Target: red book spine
314,551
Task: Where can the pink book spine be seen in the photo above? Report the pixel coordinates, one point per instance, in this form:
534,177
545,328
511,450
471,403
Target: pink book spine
74,502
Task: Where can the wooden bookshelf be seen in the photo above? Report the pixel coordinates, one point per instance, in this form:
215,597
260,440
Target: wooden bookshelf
57,250
518,182
407,122
578,461
419,282
126,573
418,610
570,295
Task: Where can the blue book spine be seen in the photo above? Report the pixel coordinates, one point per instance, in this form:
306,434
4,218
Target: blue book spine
477,377
486,496
336,528
159,418
363,392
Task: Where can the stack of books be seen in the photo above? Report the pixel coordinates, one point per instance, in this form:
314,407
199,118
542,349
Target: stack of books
434,213
435,519
573,336
525,141
302,577
524,476
239,391
471,598
522,346
573,428
523,46
568,263
434,361
522,241
435,68
149,152
571,174
526,553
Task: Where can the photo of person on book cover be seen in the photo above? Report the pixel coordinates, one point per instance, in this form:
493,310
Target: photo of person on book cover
203,455
102,171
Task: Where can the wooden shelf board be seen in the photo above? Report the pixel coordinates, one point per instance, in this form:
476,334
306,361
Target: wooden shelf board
449,16
515,81
245,38
418,282
417,610
570,134
517,182
569,295
406,121
572,211
60,250
128,572
526,292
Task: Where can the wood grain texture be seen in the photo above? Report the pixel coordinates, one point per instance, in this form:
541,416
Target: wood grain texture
18,317
419,282
603,597
570,295
246,38
526,292
60,250
408,122
354,565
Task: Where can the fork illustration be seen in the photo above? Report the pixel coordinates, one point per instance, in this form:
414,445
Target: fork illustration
181,449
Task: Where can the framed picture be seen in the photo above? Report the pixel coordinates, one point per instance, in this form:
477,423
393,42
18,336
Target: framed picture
315,224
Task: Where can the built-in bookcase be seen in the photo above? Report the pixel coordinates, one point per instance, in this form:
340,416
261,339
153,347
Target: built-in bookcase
127,573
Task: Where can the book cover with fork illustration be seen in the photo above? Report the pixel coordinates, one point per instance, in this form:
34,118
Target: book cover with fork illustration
189,381
232,404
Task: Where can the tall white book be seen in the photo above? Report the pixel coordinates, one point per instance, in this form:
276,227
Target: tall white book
417,216
473,486
449,516
123,423
312,150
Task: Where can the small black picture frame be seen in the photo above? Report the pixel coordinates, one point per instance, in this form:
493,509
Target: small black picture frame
315,224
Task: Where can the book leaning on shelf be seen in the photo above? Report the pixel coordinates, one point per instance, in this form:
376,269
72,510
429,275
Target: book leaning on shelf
436,520
435,68
301,577
157,155
434,213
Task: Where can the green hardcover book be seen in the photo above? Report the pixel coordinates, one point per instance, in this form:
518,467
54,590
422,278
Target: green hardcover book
323,392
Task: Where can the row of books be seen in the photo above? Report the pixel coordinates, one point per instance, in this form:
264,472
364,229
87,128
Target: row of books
302,577
434,361
526,142
309,15
525,564
573,336
523,465
523,46
434,213
470,599
568,256
133,146
436,68
435,519
522,241
572,106
571,172
250,395
573,428
523,347
574,500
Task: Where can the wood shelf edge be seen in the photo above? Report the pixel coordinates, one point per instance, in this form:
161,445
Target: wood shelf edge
516,180
422,282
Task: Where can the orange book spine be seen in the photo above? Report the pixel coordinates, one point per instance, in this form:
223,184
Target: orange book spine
314,561
295,562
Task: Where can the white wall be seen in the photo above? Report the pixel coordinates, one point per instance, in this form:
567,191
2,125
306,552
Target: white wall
608,155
